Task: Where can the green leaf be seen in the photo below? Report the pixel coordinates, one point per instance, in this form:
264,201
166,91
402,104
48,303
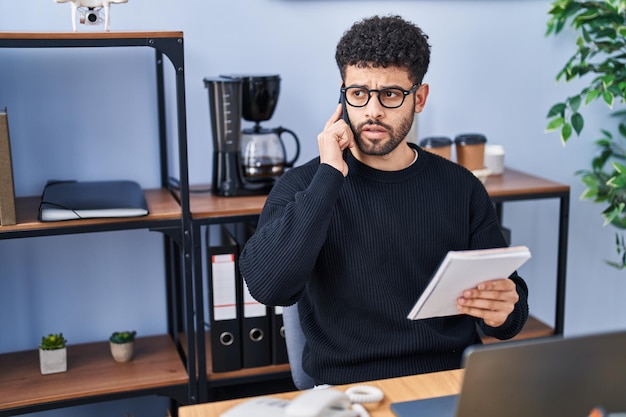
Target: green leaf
588,15
608,80
606,133
557,110
577,122
566,132
617,182
589,180
608,98
555,123
621,169
609,216
591,95
589,194
574,103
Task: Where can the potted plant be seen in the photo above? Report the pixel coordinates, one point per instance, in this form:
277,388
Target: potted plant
122,345
53,354
599,58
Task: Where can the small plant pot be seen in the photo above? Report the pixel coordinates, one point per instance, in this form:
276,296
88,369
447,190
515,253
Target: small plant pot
52,361
122,352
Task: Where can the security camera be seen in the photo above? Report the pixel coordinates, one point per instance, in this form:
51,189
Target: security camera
91,16
90,11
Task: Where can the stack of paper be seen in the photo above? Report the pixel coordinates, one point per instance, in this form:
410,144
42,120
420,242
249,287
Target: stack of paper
461,270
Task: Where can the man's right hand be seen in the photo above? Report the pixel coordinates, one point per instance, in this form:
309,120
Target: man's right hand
332,141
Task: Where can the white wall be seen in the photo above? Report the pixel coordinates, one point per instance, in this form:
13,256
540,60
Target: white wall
73,112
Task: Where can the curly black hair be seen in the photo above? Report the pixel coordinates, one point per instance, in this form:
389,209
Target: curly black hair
383,42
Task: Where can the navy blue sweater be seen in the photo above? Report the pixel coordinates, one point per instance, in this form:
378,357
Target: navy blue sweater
356,253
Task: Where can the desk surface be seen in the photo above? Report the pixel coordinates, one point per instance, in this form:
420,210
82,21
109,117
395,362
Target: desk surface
396,389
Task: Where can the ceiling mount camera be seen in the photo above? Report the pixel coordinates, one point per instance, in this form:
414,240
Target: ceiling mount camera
90,11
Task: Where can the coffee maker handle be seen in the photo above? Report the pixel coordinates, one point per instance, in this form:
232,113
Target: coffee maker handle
281,130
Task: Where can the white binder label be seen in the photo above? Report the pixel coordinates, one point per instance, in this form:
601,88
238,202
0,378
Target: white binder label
224,292
251,307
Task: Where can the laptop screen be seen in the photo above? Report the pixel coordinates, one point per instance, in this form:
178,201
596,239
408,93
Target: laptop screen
554,376
548,377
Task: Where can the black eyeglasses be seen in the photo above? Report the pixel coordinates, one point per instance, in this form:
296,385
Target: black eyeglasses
390,98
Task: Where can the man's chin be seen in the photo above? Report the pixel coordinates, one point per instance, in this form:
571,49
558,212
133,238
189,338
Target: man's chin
372,148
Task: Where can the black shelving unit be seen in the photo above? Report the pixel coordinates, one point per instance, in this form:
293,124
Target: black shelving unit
169,215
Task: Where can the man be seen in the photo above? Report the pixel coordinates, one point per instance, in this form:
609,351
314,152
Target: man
354,236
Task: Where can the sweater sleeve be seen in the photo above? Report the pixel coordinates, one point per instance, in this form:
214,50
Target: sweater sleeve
277,260
516,320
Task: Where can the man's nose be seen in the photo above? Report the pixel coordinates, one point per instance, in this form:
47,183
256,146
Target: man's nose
374,109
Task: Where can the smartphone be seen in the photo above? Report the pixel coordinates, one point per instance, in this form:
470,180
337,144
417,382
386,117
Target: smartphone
344,110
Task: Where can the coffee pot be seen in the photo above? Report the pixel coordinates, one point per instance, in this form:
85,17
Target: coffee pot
263,153
248,161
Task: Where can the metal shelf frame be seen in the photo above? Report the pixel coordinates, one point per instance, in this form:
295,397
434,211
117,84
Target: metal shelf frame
176,232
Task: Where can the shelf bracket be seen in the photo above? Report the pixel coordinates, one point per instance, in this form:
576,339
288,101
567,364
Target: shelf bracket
172,48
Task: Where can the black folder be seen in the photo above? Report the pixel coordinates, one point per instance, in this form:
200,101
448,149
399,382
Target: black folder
279,345
67,200
255,322
224,294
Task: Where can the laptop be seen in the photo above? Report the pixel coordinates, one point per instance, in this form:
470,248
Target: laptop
552,376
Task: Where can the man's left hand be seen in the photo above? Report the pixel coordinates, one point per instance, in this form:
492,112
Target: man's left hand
491,301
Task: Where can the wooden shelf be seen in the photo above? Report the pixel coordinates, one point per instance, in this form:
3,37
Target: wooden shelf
205,205
91,372
233,377
89,35
516,185
511,185
162,206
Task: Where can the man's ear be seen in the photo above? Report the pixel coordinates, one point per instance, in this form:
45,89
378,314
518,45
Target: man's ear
420,97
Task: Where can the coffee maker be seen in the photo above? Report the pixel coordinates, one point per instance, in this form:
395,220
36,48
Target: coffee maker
248,161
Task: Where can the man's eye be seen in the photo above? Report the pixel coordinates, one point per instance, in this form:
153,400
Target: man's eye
391,93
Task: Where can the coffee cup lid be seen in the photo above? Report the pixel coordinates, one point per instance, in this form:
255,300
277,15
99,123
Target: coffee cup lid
435,142
470,139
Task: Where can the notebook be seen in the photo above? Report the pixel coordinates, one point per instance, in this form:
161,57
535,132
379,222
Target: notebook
460,270
553,376
67,200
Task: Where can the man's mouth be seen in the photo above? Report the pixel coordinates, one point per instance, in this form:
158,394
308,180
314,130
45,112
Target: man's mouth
373,129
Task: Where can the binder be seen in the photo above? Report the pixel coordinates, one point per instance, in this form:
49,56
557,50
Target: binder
255,332
224,299
255,322
67,200
279,344
7,186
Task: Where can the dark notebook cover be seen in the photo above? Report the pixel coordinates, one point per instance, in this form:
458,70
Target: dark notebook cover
68,200
431,407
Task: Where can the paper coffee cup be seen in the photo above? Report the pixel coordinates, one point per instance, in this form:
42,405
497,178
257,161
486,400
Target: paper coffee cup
439,145
494,159
470,150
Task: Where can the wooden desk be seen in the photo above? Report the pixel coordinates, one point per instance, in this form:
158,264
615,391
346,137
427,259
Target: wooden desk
396,389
